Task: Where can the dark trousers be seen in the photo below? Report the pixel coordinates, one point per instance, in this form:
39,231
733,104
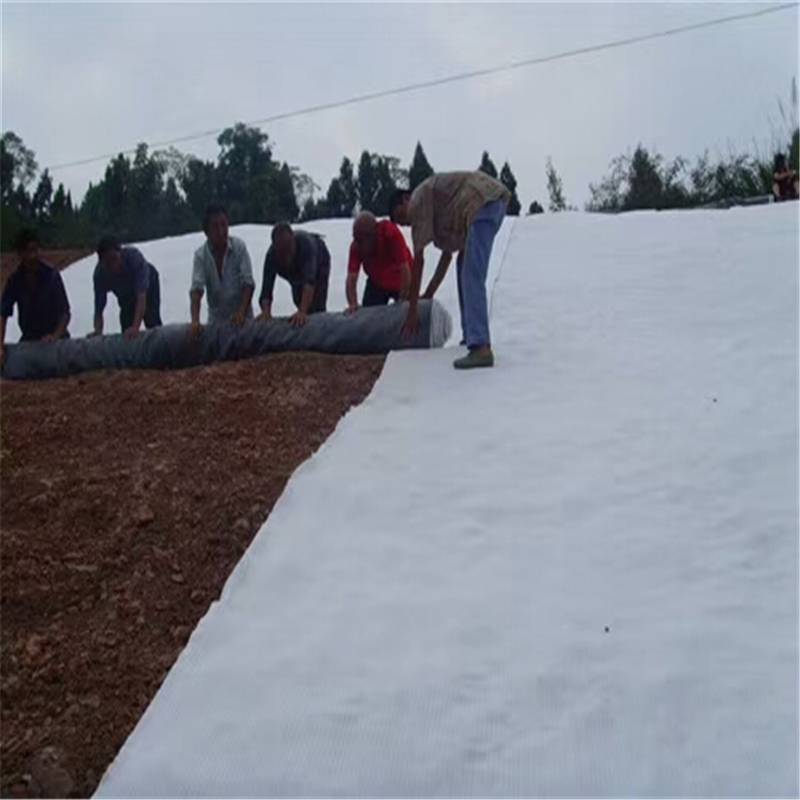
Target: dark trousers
152,307
375,296
320,301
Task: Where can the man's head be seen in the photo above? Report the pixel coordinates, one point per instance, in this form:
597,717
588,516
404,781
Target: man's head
215,226
109,254
283,243
780,162
365,233
398,206
28,247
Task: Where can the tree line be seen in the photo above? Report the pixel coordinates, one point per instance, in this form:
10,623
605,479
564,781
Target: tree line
161,193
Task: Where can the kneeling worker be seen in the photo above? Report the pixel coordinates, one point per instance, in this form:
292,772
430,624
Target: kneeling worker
222,269
383,251
303,260
38,292
126,273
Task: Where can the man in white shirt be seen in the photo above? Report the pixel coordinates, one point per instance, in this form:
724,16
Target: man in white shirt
221,268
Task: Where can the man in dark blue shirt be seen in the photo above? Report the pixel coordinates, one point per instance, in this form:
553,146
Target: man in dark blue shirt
303,260
37,290
125,272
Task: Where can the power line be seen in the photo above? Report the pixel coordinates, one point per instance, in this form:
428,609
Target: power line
463,76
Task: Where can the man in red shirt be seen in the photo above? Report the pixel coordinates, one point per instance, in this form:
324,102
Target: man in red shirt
382,249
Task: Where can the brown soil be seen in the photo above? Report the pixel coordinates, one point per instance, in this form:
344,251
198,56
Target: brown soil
127,499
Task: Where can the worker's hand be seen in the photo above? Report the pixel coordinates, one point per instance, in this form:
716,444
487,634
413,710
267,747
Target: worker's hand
51,337
195,329
264,316
350,310
131,333
92,334
238,318
405,286
411,325
298,320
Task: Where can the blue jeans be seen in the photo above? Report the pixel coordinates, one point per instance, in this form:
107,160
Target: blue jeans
472,266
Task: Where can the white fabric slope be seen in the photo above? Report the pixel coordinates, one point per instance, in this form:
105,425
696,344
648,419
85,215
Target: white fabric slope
572,575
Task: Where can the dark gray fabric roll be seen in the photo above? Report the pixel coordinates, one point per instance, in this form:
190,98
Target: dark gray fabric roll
368,331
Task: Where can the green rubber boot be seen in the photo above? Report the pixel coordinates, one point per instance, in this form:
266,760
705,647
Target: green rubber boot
475,358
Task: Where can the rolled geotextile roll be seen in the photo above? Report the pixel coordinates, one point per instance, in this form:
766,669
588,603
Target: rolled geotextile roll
368,331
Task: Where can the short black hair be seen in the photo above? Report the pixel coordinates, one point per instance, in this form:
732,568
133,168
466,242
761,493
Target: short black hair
106,243
278,229
25,237
397,199
780,161
212,210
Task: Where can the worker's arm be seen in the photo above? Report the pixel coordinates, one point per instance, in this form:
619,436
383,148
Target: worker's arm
60,330
195,296
98,325
267,286
301,316
411,325
138,316
405,281
3,321
350,291
438,276
241,313
100,295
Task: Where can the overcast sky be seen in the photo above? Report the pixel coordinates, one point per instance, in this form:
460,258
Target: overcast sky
80,80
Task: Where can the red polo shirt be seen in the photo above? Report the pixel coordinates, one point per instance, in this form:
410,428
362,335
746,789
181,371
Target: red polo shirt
384,266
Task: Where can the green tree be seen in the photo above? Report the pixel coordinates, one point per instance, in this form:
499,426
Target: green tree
17,165
367,182
555,188
420,168
42,198
487,165
510,182
535,208
246,175
342,195
644,181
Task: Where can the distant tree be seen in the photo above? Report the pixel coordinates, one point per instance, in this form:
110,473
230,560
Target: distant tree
487,165
367,182
644,181
555,188
17,164
387,172
342,193
304,186
253,186
314,209
143,214
199,184
510,182
535,208
420,168
286,201
378,177
59,204
348,188
42,198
